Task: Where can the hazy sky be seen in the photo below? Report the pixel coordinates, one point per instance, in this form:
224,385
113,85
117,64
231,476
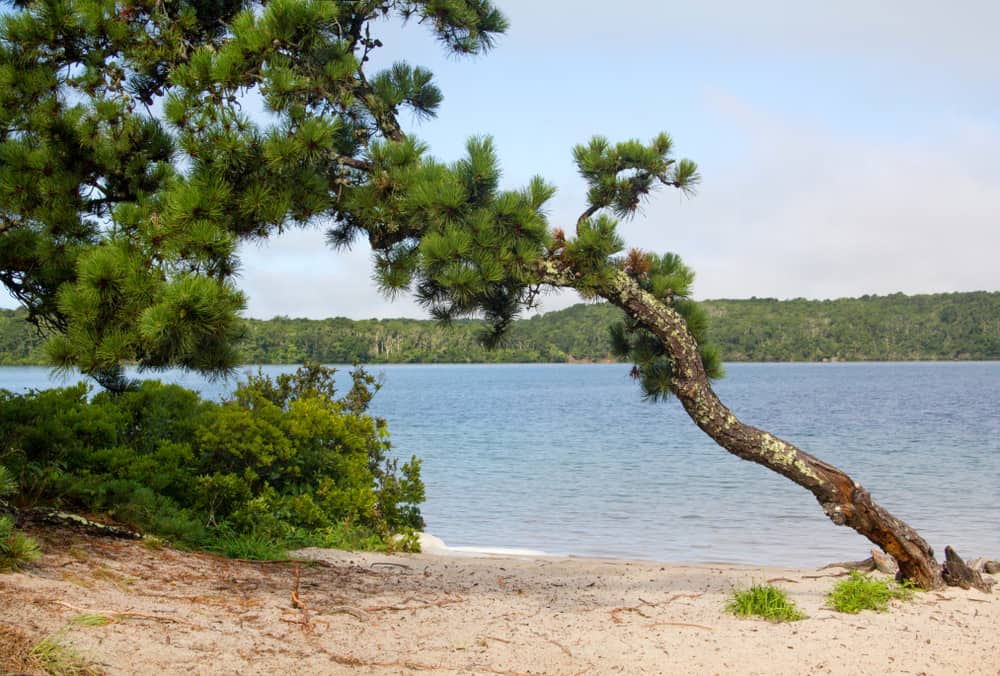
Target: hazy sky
845,148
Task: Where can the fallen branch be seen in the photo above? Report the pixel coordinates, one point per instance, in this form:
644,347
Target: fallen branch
53,517
877,561
865,565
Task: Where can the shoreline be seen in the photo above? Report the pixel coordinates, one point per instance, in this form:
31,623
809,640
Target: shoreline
372,613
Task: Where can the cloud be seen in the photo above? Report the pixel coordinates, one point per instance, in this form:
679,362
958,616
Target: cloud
959,37
298,275
806,211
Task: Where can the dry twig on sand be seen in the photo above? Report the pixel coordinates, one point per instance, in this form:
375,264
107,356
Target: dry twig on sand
296,601
402,605
390,564
352,661
615,612
680,624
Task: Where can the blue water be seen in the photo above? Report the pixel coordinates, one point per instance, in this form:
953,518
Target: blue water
569,460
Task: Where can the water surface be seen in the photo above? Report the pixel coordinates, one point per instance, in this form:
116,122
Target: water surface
568,459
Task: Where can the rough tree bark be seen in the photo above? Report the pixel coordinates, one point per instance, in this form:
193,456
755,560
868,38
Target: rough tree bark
844,500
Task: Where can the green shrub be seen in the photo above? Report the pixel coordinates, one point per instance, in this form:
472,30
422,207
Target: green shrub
862,592
764,601
248,546
16,548
282,459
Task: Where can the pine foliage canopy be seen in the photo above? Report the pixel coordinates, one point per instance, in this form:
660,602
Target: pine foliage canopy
131,168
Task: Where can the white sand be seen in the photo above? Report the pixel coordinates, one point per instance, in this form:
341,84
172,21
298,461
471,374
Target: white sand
378,614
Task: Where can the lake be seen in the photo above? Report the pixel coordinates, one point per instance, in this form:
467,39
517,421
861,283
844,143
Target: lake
568,459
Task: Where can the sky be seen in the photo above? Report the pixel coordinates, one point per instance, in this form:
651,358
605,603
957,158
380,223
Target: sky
845,148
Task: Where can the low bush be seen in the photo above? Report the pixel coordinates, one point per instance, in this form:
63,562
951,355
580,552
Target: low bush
859,592
283,462
764,601
16,548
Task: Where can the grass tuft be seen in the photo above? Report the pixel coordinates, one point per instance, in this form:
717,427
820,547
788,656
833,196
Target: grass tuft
250,546
863,592
56,657
16,548
91,620
765,601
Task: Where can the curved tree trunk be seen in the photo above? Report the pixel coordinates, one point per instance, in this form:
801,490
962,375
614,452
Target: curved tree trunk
845,501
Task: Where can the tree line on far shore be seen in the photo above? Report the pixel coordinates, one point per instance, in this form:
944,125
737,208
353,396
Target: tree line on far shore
952,326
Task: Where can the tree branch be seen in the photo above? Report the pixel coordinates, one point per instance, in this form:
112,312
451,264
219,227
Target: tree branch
591,210
354,163
385,120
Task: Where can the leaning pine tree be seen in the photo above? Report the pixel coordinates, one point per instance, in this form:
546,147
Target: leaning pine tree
130,171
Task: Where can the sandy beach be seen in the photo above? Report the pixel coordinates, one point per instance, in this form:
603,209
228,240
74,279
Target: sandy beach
171,612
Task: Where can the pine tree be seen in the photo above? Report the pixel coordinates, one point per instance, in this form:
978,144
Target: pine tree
130,171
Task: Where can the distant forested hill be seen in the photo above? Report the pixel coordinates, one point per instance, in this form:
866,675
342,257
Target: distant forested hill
896,327
884,328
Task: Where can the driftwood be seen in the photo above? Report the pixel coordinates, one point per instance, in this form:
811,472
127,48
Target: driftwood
984,565
957,573
877,561
52,517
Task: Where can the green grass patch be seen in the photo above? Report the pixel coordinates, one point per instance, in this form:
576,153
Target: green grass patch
57,658
765,601
282,463
863,592
16,548
91,620
249,546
